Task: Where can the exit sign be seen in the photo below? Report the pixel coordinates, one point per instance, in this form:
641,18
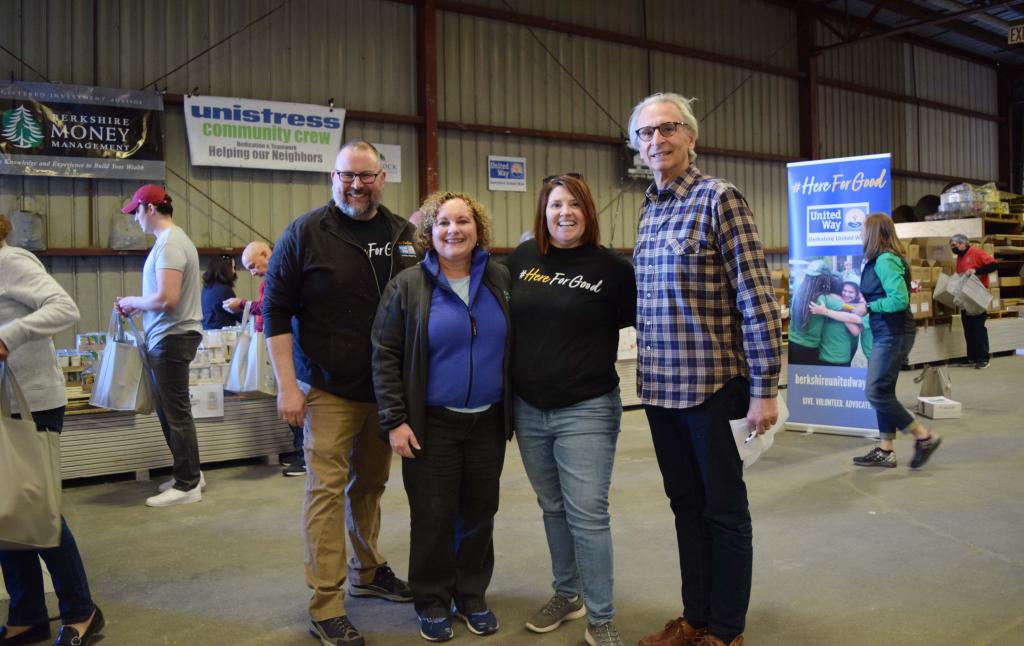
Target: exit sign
1016,34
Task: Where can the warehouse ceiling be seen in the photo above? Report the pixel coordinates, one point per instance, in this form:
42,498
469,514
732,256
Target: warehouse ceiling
978,28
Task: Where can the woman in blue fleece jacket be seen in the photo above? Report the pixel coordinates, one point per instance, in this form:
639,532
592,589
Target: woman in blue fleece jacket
441,344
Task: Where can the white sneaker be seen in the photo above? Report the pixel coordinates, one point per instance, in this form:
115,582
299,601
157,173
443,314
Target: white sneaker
175,497
164,486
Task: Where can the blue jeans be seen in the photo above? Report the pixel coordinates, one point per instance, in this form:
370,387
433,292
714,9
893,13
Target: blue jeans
703,477
568,454
24,578
887,357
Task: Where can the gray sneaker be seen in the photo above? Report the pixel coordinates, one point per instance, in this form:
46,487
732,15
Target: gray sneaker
603,635
554,612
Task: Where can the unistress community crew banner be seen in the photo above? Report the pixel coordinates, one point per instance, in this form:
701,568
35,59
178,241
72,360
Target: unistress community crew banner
80,131
250,133
829,346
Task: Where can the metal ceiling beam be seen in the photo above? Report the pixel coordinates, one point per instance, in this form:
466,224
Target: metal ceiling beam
871,16
820,12
936,20
959,27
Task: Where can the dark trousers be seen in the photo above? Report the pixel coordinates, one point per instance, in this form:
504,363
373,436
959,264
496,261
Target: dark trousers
703,477
169,361
976,336
802,355
24,578
299,459
452,486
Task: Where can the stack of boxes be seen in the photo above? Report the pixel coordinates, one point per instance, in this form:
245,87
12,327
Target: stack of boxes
213,357
208,372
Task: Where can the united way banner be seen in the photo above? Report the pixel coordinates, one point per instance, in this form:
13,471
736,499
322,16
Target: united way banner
80,131
829,346
249,133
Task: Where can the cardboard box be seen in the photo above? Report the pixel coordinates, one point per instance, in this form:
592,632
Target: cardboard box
922,275
936,272
921,304
914,251
939,408
989,248
207,400
1010,281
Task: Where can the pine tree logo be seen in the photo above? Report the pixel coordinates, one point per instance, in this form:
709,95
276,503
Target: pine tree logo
20,128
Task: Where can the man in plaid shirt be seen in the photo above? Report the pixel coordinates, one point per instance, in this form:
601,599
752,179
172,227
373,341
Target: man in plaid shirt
709,343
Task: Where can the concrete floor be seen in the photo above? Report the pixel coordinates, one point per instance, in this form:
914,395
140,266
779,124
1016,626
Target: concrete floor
842,556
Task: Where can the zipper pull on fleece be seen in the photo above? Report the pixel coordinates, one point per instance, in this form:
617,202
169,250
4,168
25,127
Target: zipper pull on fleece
472,323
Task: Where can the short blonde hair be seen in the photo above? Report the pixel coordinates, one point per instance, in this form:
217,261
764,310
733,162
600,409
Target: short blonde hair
433,204
685,108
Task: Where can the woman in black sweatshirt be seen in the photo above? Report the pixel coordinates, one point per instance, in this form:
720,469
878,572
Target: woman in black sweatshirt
570,297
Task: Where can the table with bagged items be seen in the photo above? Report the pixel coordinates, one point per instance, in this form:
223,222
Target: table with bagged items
230,426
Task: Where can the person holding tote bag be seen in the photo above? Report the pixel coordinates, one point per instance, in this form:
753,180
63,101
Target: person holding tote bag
33,307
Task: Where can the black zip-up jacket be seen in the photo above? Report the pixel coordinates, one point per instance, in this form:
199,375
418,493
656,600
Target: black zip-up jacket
321,287
401,353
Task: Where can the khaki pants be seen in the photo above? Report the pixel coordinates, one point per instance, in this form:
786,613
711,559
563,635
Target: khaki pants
347,467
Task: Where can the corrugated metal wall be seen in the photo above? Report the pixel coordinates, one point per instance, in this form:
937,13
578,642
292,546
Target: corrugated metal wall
921,139
362,53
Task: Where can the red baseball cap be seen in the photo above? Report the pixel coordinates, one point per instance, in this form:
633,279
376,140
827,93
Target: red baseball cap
148,194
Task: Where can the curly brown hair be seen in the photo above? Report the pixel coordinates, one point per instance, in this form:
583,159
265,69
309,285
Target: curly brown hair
5,227
433,204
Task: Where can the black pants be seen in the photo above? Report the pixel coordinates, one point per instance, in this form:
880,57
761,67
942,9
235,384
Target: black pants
169,361
452,486
802,355
976,336
703,477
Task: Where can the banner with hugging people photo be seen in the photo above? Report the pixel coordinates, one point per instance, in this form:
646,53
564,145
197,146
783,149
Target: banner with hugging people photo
829,345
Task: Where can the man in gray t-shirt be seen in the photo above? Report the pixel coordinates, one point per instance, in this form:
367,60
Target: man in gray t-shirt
171,314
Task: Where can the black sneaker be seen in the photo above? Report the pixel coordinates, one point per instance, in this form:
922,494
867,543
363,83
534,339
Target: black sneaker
384,585
923,450
876,457
336,631
292,470
981,365
965,362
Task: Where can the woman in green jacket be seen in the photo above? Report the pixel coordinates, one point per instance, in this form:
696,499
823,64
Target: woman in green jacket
885,285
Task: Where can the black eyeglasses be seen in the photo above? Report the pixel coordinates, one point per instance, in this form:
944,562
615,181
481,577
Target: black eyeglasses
366,177
666,129
551,178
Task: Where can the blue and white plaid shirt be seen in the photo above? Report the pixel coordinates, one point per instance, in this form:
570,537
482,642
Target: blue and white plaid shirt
706,310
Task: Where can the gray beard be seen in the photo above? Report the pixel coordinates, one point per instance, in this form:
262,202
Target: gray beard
356,214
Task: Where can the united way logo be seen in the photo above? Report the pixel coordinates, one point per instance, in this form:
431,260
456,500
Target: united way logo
20,128
835,224
853,219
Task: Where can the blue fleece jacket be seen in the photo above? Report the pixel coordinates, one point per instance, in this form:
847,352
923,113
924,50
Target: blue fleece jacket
466,343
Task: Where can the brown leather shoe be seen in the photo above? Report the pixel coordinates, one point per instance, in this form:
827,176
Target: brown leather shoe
710,640
677,632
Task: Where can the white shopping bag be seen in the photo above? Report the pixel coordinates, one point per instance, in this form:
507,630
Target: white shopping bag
750,446
250,370
123,381
29,475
